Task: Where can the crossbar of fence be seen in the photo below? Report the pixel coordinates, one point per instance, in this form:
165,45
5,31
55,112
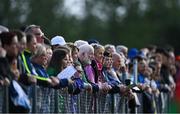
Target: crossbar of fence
62,102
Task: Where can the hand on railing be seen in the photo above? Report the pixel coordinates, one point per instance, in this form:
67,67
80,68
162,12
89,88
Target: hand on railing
32,80
104,87
53,81
123,89
5,82
88,87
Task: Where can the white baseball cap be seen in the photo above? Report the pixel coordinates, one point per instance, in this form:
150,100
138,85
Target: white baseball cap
3,29
58,40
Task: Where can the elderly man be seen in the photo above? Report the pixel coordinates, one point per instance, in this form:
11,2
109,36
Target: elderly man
36,31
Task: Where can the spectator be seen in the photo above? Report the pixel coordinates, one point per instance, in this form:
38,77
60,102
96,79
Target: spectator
57,41
36,31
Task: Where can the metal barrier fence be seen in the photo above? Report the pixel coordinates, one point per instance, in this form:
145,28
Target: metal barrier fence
46,100
4,99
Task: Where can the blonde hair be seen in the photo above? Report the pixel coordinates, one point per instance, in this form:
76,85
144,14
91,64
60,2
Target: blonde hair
40,50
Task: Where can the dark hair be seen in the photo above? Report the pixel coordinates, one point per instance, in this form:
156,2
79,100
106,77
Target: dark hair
162,51
153,65
169,48
107,54
151,47
66,48
47,41
29,37
7,38
90,41
57,57
19,34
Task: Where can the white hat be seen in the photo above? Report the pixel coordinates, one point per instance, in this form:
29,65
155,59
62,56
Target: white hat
3,29
58,40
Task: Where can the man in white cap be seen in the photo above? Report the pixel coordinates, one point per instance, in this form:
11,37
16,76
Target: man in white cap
57,41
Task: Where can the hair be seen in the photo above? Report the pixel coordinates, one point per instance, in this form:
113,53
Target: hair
20,34
47,41
108,46
7,38
97,46
85,48
169,48
162,51
151,47
30,28
78,43
57,57
72,47
66,48
120,48
29,37
93,41
107,54
40,50
115,55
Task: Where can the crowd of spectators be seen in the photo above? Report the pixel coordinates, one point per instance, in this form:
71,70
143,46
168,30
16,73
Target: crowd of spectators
86,73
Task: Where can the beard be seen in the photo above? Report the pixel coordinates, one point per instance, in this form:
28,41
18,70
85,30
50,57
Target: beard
87,61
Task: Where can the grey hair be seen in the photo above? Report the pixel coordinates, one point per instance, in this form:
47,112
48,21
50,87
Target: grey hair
30,28
78,43
40,50
108,46
85,49
121,48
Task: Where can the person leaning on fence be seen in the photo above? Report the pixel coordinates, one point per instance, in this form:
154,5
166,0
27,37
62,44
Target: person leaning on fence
111,78
25,61
110,75
56,65
97,62
78,83
59,61
144,85
85,55
39,61
9,43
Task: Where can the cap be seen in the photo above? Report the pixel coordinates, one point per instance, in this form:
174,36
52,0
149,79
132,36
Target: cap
58,40
3,29
132,53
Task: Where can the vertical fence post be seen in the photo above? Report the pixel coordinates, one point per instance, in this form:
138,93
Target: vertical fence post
56,100
6,99
34,99
135,72
112,104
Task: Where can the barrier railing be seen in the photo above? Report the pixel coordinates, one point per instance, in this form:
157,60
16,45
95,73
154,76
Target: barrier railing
59,101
